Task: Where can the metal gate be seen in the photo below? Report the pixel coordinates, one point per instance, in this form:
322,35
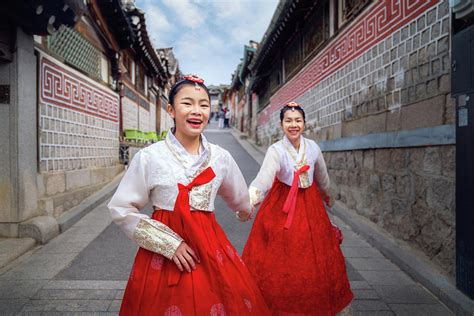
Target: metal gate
463,89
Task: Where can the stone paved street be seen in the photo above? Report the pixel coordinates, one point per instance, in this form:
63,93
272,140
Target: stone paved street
84,270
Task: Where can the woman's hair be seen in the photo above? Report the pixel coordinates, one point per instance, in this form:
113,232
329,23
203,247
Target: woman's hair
291,108
183,82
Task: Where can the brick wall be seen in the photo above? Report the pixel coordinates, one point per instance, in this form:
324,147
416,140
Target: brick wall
152,114
78,120
78,137
144,120
130,114
166,121
138,117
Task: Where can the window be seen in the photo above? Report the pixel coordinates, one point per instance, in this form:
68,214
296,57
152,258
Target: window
140,75
350,8
147,81
76,50
263,94
292,59
127,63
316,31
275,77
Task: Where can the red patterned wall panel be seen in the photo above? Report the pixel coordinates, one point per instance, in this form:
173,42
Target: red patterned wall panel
381,20
63,88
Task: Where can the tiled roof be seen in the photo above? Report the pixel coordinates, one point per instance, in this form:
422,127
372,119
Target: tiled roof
118,21
143,45
288,18
43,17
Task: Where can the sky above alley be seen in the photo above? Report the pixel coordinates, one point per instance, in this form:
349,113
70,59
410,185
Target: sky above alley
207,36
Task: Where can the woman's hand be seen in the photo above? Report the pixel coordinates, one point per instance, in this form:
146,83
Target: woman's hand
327,199
244,216
185,258
330,202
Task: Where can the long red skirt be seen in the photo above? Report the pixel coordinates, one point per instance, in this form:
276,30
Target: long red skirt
300,270
220,285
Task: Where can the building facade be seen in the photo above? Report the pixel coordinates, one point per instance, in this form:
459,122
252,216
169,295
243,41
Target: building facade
21,181
75,86
244,114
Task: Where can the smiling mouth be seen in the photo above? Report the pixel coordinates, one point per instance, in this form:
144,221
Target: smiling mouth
195,123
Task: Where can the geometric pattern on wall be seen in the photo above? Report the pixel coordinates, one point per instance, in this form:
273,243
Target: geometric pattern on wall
382,19
64,88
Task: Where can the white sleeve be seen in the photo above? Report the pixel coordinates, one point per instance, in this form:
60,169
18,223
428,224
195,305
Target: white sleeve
132,195
233,188
265,177
321,173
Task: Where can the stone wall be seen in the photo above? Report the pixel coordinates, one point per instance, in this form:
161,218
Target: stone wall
410,192
78,137
398,81
18,141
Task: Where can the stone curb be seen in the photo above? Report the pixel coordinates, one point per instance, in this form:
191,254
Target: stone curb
41,229
404,257
72,216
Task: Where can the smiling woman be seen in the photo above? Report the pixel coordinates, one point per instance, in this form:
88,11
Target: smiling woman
185,264
292,221
190,109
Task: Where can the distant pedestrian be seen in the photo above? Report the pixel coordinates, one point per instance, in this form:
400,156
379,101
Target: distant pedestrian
185,264
220,123
226,118
293,249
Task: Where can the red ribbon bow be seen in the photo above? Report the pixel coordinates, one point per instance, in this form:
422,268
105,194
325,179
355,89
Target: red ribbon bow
290,203
183,222
292,104
193,78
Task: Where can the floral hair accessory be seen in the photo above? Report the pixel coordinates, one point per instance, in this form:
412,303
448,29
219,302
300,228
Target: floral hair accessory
194,79
293,105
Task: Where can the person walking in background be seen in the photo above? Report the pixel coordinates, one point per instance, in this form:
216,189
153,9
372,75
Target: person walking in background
226,118
220,123
185,264
293,250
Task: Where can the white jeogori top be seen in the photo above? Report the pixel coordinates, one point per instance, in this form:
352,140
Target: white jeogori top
154,174
281,160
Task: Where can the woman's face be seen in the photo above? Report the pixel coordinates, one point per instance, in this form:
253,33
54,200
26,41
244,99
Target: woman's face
293,124
191,110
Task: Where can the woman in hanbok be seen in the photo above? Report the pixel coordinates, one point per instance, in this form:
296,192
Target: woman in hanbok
185,264
293,249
